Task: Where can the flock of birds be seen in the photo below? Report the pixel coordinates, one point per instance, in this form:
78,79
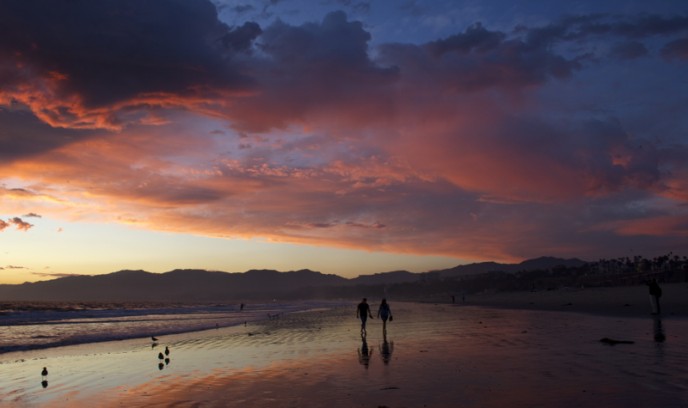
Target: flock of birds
163,358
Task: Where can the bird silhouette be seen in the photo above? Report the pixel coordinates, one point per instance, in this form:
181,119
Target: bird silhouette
160,356
154,338
44,373
167,351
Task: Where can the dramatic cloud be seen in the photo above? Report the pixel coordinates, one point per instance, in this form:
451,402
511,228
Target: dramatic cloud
103,64
313,70
483,144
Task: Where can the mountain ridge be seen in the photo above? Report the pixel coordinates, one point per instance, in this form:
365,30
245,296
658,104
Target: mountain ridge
195,285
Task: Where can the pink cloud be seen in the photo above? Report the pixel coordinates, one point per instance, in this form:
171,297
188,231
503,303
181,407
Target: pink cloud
444,147
17,222
20,224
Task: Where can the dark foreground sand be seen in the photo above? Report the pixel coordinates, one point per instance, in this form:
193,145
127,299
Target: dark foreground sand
630,301
434,355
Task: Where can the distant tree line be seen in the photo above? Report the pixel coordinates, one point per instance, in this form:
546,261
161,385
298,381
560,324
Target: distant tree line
603,273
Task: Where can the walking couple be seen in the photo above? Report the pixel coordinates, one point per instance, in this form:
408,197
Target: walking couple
383,312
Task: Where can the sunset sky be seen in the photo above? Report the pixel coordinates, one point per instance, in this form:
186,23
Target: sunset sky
345,136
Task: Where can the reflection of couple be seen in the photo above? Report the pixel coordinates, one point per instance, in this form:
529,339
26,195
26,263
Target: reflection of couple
386,349
365,352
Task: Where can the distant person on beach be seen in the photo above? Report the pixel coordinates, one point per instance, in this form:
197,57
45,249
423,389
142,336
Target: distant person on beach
384,312
363,312
655,294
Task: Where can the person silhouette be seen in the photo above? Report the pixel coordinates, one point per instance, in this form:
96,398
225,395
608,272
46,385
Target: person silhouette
655,294
363,312
384,312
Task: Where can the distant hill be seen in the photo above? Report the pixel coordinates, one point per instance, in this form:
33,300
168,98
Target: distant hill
385,278
541,263
189,285
177,285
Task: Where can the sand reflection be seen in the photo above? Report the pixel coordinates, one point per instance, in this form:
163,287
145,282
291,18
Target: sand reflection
386,350
364,353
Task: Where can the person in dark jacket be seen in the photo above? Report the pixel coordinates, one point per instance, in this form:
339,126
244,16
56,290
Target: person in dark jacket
363,312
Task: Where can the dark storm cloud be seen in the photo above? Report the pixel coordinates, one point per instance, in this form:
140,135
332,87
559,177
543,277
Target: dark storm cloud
86,64
315,67
581,27
645,25
475,38
241,38
106,52
335,43
479,59
24,135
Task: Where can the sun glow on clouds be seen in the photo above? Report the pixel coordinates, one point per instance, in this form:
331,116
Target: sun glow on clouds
310,132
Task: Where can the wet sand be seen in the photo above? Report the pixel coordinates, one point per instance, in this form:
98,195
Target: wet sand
434,355
629,301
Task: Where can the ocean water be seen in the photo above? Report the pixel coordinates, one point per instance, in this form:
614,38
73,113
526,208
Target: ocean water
30,326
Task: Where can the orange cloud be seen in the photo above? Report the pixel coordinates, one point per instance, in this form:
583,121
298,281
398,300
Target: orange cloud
304,133
17,222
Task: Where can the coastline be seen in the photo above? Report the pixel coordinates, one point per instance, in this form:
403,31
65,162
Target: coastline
433,355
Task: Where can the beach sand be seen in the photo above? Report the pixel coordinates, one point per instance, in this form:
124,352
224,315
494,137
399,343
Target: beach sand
434,355
631,301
